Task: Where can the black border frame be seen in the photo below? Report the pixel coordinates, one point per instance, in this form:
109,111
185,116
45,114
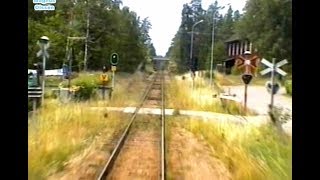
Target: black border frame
15,138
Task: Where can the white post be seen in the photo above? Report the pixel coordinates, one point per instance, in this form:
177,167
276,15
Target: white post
212,43
86,43
238,49
113,76
233,49
192,46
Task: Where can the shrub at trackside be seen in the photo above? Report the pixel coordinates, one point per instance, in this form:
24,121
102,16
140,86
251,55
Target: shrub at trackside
86,86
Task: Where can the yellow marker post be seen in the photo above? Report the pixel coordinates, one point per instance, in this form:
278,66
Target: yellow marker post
104,80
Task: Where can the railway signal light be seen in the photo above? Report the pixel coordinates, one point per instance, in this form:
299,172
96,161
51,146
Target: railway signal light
114,59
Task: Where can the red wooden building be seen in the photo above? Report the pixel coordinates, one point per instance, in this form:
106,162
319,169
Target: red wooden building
235,46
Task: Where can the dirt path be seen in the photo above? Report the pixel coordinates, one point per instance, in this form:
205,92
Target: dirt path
190,158
139,158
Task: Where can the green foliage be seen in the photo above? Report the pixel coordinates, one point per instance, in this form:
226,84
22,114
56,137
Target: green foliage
268,24
87,89
87,86
111,29
179,50
288,86
53,81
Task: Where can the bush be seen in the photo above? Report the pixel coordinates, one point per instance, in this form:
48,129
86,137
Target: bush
87,84
288,86
74,75
87,88
52,81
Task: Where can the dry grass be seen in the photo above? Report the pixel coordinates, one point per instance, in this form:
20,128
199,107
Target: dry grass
61,130
249,152
127,92
235,80
180,95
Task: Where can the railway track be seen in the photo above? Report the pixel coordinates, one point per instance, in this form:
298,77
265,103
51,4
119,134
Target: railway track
140,151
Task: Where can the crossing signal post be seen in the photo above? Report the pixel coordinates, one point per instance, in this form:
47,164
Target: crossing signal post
44,45
249,63
271,85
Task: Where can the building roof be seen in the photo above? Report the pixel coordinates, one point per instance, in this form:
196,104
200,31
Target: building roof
229,59
234,37
160,59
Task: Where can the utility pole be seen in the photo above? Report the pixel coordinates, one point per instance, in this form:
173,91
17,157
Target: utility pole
86,41
191,48
212,42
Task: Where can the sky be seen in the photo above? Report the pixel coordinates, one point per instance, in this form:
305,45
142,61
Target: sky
165,17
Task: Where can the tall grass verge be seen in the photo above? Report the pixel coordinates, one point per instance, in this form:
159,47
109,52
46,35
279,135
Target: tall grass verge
127,91
249,152
59,131
180,95
235,80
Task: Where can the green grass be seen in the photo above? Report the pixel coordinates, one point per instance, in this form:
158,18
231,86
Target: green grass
60,131
288,86
248,152
53,81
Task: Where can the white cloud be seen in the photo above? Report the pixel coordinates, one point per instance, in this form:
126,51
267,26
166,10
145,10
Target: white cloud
165,17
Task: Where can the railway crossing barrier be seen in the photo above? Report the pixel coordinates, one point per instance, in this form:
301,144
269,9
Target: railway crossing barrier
34,93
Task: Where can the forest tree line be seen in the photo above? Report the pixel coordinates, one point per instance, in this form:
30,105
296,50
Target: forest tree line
111,28
266,23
